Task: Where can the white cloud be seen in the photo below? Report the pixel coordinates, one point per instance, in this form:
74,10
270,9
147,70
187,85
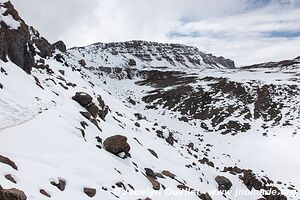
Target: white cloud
231,28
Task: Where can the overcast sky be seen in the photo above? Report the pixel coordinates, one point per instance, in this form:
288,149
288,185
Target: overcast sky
247,31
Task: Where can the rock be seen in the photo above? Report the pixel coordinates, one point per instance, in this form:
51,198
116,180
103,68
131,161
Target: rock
44,47
150,173
60,45
59,58
93,109
12,194
62,72
82,98
101,102
153,153
7,161
99,140
1,86
137,124
103,113
10,178
139,116
89,191
206,196
95,122
170,139
131,62
155,183
169,174
82,63
43,192
117,144
15,44
224,183
84,124
61,185
87,115
130,100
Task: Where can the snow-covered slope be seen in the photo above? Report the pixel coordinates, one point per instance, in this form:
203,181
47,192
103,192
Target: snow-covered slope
186,124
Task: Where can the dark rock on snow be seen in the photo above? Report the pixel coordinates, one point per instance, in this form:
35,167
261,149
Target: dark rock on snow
117,144
89,191
12,194
7,161
223,183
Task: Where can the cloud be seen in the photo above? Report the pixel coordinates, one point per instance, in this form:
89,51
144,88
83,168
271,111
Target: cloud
247,31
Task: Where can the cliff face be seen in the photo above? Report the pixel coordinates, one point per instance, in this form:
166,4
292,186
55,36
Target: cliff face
19,42
15,38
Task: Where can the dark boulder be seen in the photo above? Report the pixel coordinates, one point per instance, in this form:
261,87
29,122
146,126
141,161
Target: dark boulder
45,193
82,98
224,183
82,63
7,161
93,109
117,144
10,178
60,45
131,62
12,194
61,185
103,113
150,173
89,191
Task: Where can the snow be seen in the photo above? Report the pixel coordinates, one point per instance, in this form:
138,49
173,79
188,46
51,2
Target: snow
39,132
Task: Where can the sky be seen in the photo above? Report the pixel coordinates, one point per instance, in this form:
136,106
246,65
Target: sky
246,31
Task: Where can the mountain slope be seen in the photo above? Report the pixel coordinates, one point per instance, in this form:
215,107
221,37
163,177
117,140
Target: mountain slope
67,122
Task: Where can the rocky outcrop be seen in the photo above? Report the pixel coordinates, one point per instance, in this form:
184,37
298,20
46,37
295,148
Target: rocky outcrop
117,144
7,161
15,43
12,194
224,183
19,42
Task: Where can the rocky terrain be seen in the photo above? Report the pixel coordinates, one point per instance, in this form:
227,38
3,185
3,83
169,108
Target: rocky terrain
142,120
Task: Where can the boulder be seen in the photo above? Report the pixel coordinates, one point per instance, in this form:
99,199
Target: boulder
131,62
82,63
7,161
224,183
103,113
101,102
60,45
12,194
82,98
168,174
61,185
206,196
45,193
117,144
150,173
93,109
10,178
155,183
89,191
